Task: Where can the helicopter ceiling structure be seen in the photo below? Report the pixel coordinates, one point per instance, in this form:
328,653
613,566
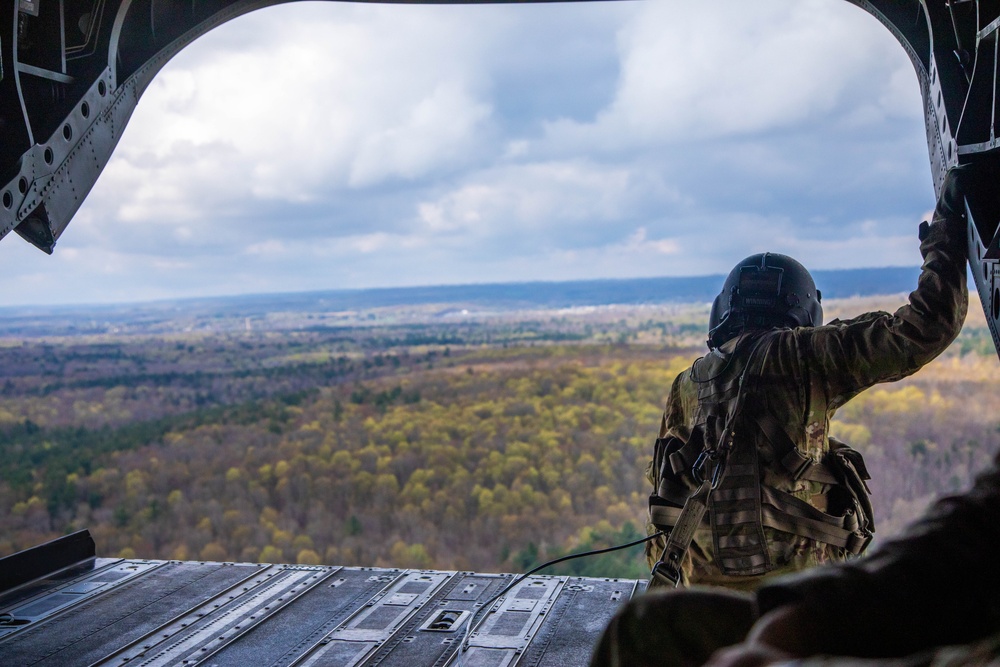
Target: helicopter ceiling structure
72,73
954,46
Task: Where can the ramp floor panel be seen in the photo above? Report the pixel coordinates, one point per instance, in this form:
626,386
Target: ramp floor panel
112,612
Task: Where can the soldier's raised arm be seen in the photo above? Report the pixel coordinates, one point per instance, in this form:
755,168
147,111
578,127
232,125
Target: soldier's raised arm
880,347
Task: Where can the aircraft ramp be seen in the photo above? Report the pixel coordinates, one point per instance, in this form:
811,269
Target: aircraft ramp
61,605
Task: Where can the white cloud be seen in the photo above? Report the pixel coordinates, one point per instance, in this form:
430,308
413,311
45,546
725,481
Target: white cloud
334,145
269,248
439,131
876,251
368,243
323,102
542,201
639,242
697,71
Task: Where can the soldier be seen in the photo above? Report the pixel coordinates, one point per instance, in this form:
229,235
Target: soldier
746,479
848,608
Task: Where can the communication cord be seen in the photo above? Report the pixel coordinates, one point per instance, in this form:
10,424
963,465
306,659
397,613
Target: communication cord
521,577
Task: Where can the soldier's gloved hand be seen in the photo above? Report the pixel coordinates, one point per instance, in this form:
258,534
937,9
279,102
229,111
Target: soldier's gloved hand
951,202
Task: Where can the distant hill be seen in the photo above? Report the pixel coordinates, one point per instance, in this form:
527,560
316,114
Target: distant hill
631,291
28,320
508,296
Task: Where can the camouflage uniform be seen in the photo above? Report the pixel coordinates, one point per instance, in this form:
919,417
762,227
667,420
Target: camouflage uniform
929,598
803,376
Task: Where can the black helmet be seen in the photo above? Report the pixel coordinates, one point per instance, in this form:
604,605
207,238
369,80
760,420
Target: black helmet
764,291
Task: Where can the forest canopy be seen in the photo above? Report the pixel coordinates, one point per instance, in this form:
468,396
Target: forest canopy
482,443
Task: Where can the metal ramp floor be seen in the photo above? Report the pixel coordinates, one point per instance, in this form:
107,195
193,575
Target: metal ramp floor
60,605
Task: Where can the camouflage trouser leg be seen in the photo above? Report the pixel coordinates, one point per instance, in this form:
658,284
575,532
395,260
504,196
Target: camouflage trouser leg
680,628
984,653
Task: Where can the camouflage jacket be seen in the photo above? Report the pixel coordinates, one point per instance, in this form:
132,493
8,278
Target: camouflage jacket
801,377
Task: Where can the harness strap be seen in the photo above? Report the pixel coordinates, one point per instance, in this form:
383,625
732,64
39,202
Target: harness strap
816,424
717,411
780,511
683,459
798,465
667,570
789,514
665,517
755,561
740,545
672,492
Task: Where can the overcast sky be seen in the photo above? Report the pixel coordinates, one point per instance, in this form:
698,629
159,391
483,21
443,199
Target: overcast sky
328,146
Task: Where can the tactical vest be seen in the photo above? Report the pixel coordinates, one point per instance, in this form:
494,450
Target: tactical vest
732,416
